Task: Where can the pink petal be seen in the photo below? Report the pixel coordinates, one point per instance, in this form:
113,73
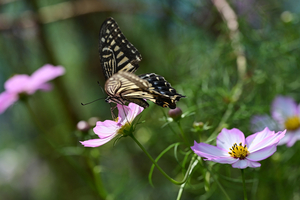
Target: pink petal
262,153
123,114
287,137
44,74
294,137
17,83
208,151
97,142
242,164
6,100
134,110
227,138
260,122
106,128
45,87
284,107
263,139
224,160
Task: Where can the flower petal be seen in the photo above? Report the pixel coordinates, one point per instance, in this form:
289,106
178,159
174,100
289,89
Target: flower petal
227,138
17,84
260,122
262,153
224,160
263,139
123,114
6,100
97,142
134,110
45,87
294,137
284,107
106,128
242,164
43,75
287,137
208,151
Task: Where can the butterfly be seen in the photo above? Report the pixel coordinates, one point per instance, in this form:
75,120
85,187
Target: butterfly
119,60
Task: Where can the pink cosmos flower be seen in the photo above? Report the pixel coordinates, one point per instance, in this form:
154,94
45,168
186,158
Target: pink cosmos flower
233,148
109,129
23,83
285,115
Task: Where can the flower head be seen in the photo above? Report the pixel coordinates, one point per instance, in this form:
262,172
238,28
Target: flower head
24,84
285,115
233,148
109,129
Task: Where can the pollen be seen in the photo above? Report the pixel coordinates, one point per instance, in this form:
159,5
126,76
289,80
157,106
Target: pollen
125,129
239,151
292,123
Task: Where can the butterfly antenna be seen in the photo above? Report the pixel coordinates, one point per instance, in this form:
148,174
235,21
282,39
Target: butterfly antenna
84,104
101,87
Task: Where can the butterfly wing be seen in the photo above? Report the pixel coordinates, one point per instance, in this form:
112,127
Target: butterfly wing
127,87
168,95
115,51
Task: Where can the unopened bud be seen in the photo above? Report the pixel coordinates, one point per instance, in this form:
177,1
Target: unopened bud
198,124
175,113
93,120
83,126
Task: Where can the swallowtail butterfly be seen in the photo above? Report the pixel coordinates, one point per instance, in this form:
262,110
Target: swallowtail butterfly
119,60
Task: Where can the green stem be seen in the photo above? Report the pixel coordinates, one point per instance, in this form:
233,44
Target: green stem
71,161
158,167
182,134
218,183
244,184
97,179
194,162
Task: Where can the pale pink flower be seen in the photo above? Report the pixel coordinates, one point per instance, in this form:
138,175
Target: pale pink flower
109,129
285,115
25,84
232,148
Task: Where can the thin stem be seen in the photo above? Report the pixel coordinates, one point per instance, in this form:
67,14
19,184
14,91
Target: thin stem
194,163
182,133
168,124
218,183
158,167
244,184
71,161
99,186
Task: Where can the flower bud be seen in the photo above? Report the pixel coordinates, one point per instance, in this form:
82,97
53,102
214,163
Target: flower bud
198,124
175,113
83,126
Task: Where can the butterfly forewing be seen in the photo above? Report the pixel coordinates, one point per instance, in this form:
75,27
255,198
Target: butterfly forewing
115,51
119,60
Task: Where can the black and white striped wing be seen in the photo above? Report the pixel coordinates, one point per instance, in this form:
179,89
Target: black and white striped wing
168,95
115,51
127,87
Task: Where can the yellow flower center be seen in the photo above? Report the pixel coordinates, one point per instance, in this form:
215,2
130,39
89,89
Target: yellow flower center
239,151
292,123
125,129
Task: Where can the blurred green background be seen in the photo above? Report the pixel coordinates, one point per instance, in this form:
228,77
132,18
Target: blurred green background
185,41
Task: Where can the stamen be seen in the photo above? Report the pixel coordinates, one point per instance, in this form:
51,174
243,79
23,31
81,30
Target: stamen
239,151
292,123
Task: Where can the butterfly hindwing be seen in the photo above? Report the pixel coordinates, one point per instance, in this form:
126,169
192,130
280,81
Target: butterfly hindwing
168,95
127,87
119,60
115,51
